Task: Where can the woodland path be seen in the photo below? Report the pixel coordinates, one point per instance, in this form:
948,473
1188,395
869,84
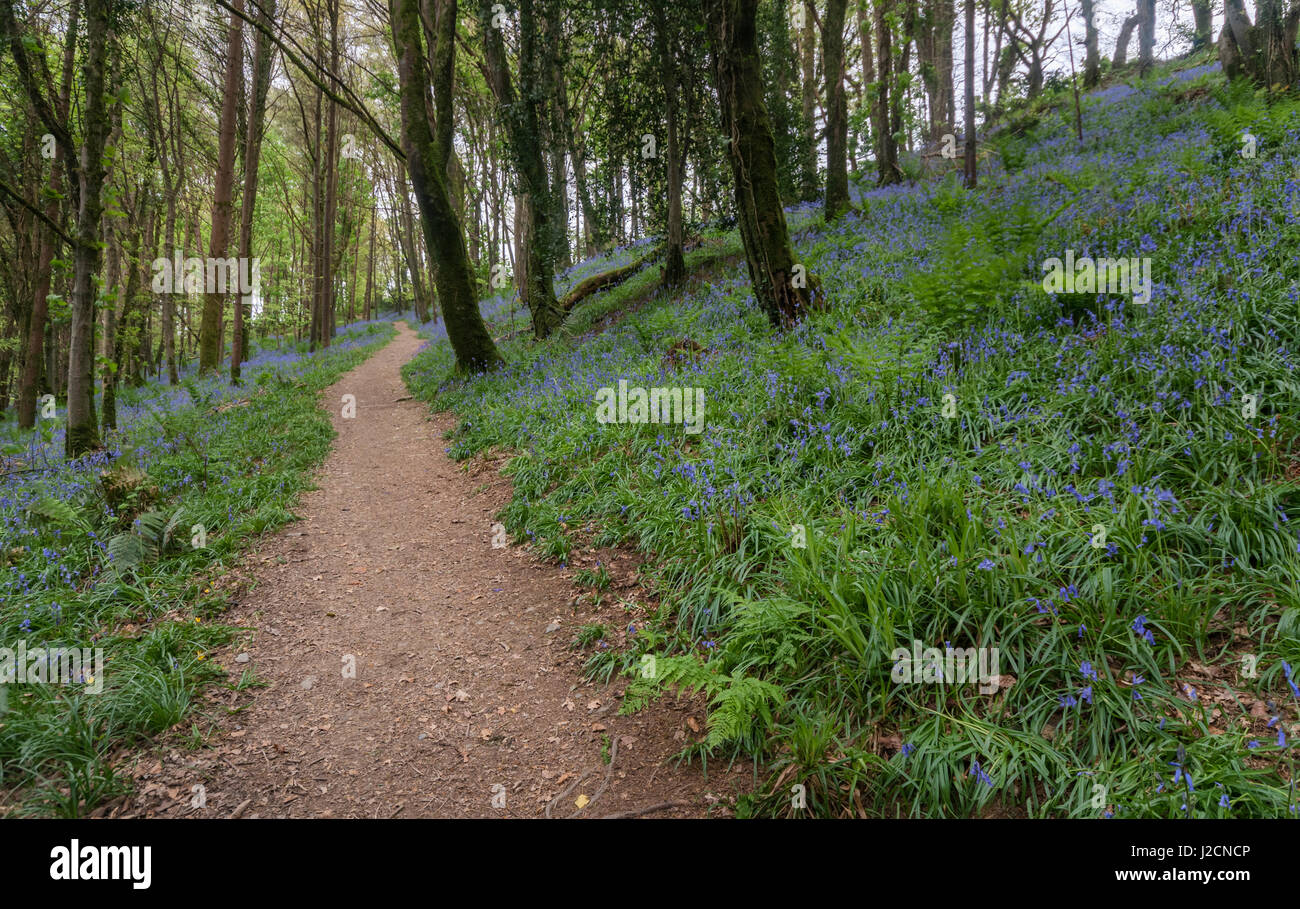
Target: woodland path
461,693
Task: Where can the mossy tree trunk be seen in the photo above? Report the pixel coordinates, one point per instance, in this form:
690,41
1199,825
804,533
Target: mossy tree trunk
784,292
33,361
88,166
1203,16
540,234
1264,52
837,110
665,48
443,235
214,300
252,158
969,166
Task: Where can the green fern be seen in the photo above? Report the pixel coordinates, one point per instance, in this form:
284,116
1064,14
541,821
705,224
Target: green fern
169,532
60,514
741,707
148,540
126,550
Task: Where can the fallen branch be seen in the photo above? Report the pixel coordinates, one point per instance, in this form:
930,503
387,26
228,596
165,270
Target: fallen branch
637,812
607,279
616,276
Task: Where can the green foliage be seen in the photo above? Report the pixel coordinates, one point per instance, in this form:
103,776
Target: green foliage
977,266
112,567
971,529
741,707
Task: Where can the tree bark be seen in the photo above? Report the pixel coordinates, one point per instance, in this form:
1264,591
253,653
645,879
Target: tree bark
808,103
29,379
887,169
252,158
868,65
1091,53
969,161
1265,52
214,300
443,235
674,261
752,153
1203,16
81,433
1121,43
837,111
538,239
1147,35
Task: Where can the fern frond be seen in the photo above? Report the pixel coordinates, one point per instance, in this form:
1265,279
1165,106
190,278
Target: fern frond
126,550
61,514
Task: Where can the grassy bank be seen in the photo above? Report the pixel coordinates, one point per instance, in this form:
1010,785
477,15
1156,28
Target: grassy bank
1108,498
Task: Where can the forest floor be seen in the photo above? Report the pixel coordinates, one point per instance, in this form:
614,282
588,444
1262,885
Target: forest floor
465,685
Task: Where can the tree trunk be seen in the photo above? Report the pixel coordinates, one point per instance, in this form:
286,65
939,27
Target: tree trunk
1203,16
539,241
868,64
808,106
108,361
1121,43
837,112
1091,54
1147,35
443,236
969,163
81,434
214,301
784,293
674,262
1264,52
252,158
370,260
887,169
29,379
331,159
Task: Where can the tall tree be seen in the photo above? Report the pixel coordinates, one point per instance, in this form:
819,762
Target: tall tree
1203,16
1264,52
968,61
539,230
91,171
934,27
837,109
887,92
665,48
443,235
1091,54
785,292
1122,40
262,57
808,97
1146,35
49,243
214,300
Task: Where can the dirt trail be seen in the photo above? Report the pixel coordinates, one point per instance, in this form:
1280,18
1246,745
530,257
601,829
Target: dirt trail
461,695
